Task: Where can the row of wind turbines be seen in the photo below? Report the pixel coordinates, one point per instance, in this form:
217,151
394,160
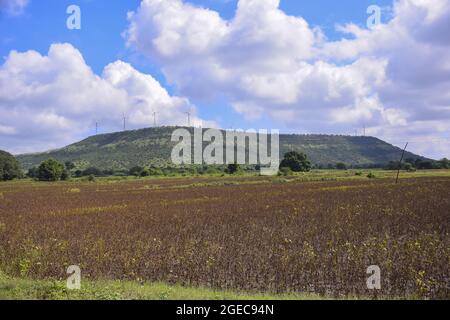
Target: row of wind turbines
125,118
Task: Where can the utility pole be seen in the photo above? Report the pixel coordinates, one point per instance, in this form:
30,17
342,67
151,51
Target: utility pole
400,163
96,128
124,122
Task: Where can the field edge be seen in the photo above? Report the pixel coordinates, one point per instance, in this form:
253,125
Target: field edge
28,289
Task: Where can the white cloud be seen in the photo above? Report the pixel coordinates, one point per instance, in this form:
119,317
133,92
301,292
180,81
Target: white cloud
391,78
13,7
49,101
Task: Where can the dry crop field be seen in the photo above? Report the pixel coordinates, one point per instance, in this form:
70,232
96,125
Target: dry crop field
249,234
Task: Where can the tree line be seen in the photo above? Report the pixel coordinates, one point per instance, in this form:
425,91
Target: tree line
53,170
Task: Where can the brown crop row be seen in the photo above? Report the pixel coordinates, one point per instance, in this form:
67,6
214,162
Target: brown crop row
280,237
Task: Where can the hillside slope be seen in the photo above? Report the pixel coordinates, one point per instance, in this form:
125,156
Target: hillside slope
152,146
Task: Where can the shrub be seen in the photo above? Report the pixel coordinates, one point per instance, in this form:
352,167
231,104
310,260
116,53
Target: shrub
232,168
341,166
136,171
65,175
33,172
69,165
371,175
284,171
92,171
145,172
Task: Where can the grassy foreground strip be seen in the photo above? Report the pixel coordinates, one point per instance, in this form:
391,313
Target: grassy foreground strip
25,289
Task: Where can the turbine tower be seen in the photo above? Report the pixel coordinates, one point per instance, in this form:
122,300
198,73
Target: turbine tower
154,118
189,118
124,121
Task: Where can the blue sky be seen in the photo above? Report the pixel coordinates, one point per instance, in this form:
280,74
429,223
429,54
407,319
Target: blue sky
103,22
102,40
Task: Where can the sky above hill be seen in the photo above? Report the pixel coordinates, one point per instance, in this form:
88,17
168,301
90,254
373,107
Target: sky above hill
299,66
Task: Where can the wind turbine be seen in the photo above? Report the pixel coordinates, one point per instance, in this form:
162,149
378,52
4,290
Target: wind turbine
154,118
124,121
189,118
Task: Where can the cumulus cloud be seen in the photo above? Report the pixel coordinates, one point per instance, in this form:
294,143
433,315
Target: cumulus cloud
47,101
392,78
13,7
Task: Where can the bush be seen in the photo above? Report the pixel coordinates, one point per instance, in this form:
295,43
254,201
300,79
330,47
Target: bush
136,171
371,175
65,175
9,167
69,165
92,171
444,163
232,168
359,173
33,173
50,170
284,171
297,162
341,166
145,172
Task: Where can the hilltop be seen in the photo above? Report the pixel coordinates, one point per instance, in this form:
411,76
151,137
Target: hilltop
152,146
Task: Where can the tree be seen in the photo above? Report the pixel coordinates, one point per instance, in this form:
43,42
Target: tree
444,163
297,162
423,164
232,168
69,165
136,171
9,167
341,166
92,171
65,175
32,172
50,170
145,172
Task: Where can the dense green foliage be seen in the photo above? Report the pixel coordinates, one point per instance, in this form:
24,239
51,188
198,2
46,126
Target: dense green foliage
412,164
341,166
9,167
51,170
152,147
297,162
232,168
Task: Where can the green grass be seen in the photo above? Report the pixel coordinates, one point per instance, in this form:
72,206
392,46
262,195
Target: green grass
26,289
215,179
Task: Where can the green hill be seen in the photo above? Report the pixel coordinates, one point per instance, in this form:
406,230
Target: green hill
152,146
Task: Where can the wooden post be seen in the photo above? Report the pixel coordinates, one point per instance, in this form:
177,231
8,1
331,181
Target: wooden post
400,163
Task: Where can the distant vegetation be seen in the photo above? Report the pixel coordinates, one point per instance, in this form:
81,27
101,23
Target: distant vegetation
151,148
9,167
412,164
